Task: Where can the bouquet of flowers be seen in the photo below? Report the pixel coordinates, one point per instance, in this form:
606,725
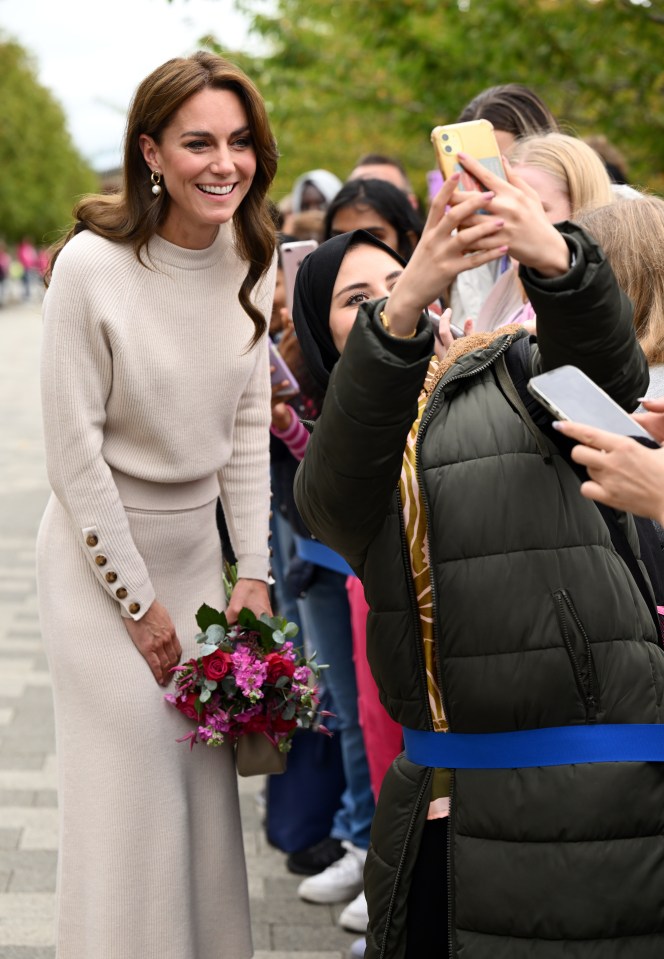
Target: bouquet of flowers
248,678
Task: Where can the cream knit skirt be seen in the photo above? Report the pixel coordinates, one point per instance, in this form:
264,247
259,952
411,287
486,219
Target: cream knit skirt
151,861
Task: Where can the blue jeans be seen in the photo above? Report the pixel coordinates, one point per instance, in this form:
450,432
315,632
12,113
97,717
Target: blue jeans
283,548
325,616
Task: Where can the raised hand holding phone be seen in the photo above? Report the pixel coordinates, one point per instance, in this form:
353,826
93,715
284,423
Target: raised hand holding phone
442,253
524,228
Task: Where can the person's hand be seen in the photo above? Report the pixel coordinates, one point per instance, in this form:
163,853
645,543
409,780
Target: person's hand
252,594
281,412
623,473
154,637
653,420
525,230
442,253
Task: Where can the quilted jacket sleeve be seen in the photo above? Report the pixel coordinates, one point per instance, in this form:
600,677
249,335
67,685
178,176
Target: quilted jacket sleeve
348,476
584,318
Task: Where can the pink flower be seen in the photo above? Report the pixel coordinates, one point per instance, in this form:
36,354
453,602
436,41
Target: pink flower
250,672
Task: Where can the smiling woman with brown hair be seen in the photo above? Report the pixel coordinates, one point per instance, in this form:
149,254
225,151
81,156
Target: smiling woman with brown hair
156,400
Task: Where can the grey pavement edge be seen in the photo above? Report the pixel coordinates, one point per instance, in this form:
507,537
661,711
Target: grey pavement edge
283,926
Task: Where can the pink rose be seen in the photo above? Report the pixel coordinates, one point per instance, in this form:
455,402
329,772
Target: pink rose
216,665
278,666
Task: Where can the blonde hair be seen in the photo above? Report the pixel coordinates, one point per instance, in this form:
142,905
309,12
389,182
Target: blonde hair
573,163
631,233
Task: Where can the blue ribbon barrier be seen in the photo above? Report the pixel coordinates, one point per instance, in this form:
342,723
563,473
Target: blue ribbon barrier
552,746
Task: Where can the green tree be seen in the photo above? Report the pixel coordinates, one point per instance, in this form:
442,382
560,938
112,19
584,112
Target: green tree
42,173
344,78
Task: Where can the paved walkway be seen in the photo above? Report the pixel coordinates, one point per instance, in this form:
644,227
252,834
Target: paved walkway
283,925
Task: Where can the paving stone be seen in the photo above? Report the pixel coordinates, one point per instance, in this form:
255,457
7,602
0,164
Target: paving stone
29,879
17,797
290,937
28,952
9,838
14,761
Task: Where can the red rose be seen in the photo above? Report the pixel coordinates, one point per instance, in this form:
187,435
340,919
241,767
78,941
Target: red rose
281,725
216,665
278,666
257,724
187,705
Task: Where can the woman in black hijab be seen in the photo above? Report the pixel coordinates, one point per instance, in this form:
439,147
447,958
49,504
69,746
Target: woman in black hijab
314,290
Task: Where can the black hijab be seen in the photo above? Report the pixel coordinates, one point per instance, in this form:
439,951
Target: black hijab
314,286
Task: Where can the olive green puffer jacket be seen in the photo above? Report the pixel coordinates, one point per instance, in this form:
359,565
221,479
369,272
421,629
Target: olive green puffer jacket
538,623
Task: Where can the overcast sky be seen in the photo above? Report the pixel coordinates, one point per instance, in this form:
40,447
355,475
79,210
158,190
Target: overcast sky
92,54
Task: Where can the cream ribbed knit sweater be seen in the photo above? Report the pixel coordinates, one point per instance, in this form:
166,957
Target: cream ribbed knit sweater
147,371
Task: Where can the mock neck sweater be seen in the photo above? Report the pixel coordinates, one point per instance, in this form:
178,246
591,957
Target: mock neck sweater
147,370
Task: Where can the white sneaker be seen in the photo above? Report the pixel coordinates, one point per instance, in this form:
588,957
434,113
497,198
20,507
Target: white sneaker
355,917
342,880
358,949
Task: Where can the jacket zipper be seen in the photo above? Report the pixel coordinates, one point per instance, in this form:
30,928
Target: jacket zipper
426,419
413,607
450,897
587,686
411,825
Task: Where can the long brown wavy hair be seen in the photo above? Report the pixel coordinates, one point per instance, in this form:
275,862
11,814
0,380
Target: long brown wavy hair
135,214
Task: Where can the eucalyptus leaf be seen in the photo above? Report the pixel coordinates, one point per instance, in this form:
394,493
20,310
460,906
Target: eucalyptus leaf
228,684
215,633
208,649
289,711
282,681
210,684
291,629
205,695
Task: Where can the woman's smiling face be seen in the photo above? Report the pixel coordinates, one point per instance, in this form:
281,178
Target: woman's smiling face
366,273
207,161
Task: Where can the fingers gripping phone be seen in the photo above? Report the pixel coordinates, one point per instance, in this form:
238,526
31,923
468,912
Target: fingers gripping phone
476,137
292,254
280,372
568,394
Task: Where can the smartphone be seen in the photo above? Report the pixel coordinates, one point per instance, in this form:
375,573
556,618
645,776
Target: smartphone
292,254
280,372
476,137
568,394
455,330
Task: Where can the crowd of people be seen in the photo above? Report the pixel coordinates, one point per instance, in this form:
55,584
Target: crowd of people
22,270
488,611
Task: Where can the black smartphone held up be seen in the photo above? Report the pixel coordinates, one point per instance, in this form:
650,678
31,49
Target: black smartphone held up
568,394
280,373
292,254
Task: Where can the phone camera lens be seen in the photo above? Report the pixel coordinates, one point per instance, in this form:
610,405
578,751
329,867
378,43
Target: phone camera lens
448,150
445,136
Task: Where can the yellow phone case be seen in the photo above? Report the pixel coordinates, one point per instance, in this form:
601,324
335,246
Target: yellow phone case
475,138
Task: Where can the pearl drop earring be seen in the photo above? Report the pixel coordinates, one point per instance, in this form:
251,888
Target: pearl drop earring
156,182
